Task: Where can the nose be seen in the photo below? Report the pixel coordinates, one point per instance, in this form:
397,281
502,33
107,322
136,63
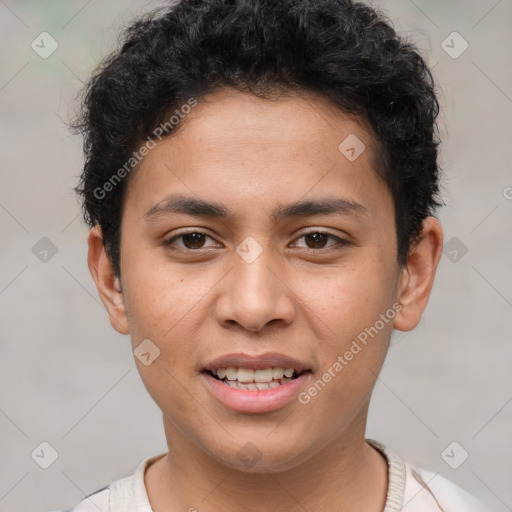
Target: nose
255,294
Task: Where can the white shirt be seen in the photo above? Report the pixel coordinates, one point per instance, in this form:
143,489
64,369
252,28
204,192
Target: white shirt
409,490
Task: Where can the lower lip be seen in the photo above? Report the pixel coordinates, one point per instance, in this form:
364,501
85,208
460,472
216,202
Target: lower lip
265,400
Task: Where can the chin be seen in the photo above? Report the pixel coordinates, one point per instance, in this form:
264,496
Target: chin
263,456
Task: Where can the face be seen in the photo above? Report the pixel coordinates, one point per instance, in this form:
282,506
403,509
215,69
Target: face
291,261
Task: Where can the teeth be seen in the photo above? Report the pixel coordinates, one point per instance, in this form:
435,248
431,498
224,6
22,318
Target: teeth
247,378
231,373
263,375
255,386
245,375
277,373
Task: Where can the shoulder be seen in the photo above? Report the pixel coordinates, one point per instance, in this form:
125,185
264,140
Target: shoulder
126,494
429,491
414,489
97,501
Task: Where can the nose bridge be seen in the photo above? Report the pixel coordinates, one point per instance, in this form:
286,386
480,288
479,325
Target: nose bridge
253,295
252,269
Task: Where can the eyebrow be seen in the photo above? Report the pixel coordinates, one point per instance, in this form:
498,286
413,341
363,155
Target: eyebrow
200,208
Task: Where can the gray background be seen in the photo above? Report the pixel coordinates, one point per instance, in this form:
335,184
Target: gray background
66,377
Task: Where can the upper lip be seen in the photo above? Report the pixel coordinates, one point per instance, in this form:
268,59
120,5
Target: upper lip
257,362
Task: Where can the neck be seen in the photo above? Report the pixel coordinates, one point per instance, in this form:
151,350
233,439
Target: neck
346,474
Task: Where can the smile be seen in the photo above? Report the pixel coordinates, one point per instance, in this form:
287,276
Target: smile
255,383
254,380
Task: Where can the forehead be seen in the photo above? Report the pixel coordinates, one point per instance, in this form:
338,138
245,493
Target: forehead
307,122
237,148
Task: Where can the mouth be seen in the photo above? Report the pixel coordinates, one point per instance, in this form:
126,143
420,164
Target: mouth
254,380
255,384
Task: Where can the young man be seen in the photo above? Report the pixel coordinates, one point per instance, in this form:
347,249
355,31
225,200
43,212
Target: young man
260,179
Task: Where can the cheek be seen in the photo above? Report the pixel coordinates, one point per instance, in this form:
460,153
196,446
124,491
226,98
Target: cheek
347,299
165,307
348,304
166,304
160,309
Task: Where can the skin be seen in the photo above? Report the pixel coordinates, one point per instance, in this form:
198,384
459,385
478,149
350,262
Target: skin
301,297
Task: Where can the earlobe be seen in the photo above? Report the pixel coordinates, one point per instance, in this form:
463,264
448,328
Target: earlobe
417,277
108,284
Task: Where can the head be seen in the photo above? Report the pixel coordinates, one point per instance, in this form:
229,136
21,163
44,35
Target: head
260,178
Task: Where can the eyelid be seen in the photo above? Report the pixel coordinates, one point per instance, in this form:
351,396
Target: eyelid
339,239
170,241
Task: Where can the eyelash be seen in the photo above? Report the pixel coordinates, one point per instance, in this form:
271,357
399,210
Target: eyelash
340,241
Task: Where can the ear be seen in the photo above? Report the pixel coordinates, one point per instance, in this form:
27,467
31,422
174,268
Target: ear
417,277
108,284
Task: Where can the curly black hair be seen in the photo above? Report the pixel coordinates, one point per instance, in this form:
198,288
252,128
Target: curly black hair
343,50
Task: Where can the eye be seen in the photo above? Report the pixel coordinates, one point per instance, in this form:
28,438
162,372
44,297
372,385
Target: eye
318,239
192,240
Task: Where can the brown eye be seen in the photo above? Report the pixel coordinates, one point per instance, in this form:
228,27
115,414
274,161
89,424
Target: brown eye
193,240
318,240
